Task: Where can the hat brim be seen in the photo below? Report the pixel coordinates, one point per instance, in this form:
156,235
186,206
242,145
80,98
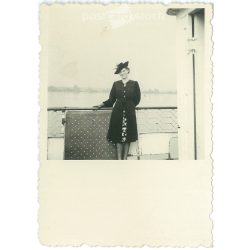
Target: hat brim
120,67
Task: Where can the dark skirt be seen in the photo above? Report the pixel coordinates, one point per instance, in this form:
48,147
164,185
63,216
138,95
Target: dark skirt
123,126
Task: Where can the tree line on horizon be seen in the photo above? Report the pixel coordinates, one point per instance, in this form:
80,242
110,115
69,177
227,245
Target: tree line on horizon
77,89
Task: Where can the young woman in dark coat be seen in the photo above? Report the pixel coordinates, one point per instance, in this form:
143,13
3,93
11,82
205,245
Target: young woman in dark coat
125,95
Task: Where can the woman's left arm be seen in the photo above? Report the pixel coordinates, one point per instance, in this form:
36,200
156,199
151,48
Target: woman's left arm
137,93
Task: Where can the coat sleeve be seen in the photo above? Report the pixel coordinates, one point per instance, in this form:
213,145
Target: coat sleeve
137,94
112,97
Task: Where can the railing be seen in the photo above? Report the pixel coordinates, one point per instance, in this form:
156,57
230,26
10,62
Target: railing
94,109
154,124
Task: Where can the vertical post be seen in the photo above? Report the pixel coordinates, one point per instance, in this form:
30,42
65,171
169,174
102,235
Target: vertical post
194,100
194,86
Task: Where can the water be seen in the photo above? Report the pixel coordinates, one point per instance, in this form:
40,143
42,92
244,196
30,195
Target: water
85,99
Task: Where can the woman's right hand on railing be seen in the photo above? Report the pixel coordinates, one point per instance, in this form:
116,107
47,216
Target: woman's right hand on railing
98,106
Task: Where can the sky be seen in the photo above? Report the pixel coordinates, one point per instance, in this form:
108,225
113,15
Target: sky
86,41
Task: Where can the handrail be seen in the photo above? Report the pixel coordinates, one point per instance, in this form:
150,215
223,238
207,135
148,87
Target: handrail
94,109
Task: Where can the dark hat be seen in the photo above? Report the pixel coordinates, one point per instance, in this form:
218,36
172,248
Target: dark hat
121,66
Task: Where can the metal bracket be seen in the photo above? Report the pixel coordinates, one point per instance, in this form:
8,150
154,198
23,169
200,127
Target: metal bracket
191,51
191,45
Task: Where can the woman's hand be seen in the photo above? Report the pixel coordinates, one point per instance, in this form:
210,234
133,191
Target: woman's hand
98,106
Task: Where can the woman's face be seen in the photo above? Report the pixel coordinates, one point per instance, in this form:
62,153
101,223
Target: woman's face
124,73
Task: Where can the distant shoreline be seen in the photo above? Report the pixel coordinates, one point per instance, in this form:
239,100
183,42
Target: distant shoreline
76,89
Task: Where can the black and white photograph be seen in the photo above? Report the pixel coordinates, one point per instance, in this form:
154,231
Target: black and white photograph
129,82
126,82
161,85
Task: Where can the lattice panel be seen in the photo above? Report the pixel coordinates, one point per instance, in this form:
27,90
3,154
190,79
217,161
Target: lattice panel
55,127
85,136
157,121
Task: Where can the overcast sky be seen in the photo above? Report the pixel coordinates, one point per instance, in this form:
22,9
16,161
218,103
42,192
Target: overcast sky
85,42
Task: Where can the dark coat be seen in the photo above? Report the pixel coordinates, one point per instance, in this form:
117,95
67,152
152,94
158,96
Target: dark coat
131,100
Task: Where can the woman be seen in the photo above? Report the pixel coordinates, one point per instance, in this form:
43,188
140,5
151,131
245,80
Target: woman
126,95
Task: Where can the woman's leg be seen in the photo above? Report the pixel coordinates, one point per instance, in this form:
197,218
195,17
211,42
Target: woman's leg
126,149
119,151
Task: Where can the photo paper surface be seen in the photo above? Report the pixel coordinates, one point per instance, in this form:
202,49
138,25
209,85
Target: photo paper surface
126,82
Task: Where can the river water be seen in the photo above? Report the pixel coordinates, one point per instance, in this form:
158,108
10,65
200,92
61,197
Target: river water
85,99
